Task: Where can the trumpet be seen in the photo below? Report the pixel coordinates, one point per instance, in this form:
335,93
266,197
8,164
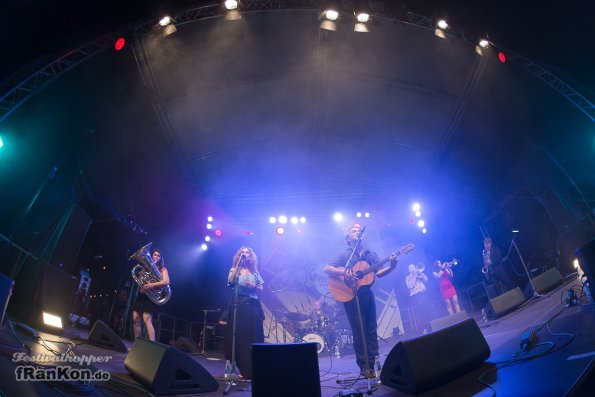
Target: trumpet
420,267
447,265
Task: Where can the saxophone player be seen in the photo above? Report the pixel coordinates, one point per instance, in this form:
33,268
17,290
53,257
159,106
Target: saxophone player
143,305
493,268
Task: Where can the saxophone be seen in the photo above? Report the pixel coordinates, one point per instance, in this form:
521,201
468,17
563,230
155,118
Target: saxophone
146,272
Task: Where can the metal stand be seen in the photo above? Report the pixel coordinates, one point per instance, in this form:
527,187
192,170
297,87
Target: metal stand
204,329
367,370
535,294
233,374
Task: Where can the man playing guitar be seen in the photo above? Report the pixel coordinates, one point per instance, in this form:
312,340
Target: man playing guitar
341,271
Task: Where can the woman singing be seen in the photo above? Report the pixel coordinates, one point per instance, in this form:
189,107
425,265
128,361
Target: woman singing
143,304
246,310
448,292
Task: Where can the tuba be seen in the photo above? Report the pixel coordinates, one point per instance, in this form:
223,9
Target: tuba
146,272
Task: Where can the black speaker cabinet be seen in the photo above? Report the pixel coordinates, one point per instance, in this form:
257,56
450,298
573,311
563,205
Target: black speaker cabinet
285,369
102,335
420,364
444,322
167,370
504,303
186,345
545,282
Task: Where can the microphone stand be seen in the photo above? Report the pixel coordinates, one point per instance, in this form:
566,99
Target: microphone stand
359,312
535,294
233,375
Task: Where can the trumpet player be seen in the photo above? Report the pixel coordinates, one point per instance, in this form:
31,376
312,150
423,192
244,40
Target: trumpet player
443,272
493,269
416,282
143,305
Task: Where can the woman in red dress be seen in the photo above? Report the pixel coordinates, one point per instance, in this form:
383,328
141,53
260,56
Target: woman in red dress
443,273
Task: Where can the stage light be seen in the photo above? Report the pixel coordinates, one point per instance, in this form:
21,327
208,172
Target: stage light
272,219
331,15
421,223
303,219
209,219
359,214
282,219
416,207
218,232
169,29
209,226
230,4
361,10
483,43
204,247
424,230
166,20
294,220
441,26
515,230
207,238
1,143
575,263
417,214
367,215
52,320
502,57
119,44
280,230
338,217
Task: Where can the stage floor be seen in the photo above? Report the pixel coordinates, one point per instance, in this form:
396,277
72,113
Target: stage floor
562,360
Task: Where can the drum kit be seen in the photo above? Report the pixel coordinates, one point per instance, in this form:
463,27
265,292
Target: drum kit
321,327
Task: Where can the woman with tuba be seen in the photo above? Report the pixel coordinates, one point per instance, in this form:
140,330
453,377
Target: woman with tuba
143,305
443,273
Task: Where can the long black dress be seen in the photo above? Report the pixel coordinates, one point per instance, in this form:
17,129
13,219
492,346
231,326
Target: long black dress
249,324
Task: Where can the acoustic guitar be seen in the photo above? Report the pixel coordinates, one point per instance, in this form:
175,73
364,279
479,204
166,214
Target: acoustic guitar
344,288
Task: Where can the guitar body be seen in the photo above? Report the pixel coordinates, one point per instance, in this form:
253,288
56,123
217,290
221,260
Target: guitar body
344,289
340,289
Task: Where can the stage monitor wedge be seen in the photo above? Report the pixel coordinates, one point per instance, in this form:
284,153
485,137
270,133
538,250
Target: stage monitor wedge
421,364
102,335
167,370
505,303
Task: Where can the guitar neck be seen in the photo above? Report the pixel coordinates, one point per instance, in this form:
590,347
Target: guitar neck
374,268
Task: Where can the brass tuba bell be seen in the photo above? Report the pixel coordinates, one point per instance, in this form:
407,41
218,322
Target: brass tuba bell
146,272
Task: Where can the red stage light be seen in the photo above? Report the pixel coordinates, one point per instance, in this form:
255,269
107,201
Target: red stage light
280,231
119,44
218,233
502,57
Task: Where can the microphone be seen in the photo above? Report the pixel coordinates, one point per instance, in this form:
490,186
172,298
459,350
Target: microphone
360,234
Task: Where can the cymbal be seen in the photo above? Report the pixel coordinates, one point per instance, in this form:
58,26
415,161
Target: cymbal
295,316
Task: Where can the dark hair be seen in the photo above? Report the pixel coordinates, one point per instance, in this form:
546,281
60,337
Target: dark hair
161,262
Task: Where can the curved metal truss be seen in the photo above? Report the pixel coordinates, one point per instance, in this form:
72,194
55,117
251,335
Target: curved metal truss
23,91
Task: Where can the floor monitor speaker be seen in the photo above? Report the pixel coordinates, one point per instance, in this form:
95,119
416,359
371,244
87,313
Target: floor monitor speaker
186,345
102,335
545,282
421,364
447,321
167,370
274,370
505,303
